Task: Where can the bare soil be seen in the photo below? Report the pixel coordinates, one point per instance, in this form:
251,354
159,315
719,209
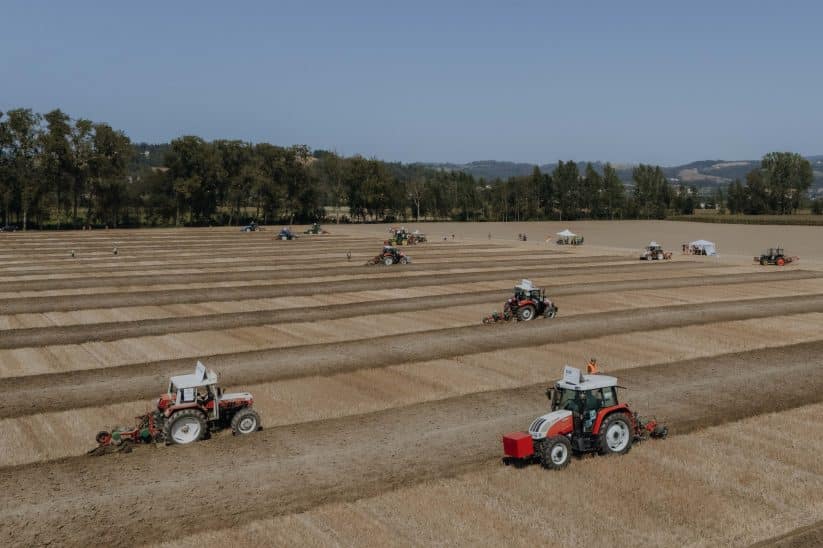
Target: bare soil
384,398
354,457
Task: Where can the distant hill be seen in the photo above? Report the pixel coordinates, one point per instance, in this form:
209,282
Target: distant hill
702,173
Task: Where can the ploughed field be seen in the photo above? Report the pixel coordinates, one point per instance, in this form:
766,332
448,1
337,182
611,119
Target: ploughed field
383,398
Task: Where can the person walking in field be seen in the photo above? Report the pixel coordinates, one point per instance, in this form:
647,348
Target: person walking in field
591,368
348,255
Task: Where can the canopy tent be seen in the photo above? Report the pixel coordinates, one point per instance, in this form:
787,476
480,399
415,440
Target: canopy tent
566,233
707,247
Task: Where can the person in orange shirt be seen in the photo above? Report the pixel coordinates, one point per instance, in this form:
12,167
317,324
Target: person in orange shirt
591,368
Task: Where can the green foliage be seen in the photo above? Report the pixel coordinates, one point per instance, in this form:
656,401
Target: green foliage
652,192
776,187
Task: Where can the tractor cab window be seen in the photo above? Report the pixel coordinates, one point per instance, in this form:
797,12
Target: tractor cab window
581,401
609,397
569,400
187,395
593,400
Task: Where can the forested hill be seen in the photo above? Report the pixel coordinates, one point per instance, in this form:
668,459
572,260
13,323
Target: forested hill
701,173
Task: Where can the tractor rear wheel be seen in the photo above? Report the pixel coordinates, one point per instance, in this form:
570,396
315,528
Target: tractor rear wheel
615,435
186,426
245,422
555,452
388,261
525,313
780,262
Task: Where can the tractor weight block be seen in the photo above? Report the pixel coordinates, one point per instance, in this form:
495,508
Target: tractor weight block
518,445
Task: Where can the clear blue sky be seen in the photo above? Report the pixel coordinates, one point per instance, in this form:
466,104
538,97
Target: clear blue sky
660,82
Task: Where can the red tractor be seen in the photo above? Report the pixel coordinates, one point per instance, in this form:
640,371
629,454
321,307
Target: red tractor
192,408
527,303
389,256
586,417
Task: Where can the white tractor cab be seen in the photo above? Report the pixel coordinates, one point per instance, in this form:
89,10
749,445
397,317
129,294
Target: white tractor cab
586,417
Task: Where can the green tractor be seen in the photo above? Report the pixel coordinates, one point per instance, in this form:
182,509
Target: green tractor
315,229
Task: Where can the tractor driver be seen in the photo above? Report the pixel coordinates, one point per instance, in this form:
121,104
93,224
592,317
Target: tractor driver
591,367
592,405
203,395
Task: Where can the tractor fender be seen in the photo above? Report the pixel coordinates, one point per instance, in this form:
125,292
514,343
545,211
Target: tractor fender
174,408
606,411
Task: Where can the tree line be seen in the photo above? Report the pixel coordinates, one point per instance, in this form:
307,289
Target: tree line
56,171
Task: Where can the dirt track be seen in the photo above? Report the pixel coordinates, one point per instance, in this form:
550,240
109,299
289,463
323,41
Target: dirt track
313,463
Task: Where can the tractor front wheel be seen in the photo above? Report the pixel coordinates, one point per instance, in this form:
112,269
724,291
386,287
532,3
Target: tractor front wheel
404,260
551,312
615,435
186,426
525,313
245,422
555,452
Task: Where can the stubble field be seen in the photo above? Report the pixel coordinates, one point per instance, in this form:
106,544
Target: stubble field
383,398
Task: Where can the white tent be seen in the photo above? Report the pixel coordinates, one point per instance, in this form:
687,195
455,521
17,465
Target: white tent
566,233
706,246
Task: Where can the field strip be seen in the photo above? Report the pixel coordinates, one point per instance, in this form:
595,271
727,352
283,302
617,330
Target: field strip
382,278
321,297
314,398
635,293
105,284
24,258
732,499
308,336
350,458
239,255
135,273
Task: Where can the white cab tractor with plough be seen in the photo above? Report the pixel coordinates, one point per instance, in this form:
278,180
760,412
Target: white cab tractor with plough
527,303
586,416
192,408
